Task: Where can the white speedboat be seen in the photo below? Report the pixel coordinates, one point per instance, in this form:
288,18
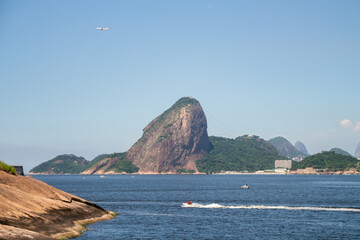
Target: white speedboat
246,186
188,204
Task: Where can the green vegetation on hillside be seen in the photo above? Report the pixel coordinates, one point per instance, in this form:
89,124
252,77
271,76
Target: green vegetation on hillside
96,160
328,160
62,164
162,137
246,153
6,168
122,164
183,170
71,164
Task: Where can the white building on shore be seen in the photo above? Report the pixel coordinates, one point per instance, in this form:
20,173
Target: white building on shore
283,164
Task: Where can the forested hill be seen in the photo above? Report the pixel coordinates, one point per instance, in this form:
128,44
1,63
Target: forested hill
328,160
62,164
246,153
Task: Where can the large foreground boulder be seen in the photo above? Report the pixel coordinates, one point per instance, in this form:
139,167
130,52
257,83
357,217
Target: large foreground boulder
31,209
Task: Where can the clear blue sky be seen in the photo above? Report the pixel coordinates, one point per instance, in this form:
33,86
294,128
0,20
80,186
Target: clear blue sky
270,68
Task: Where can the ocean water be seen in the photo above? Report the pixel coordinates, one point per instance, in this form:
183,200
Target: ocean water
275,207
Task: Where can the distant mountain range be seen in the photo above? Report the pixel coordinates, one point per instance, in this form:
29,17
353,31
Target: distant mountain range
301,148
177,142
174,142
246,153
286,149
170,143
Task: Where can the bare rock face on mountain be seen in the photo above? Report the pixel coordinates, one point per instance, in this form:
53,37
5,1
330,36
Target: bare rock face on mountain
301,147
173,141
170,143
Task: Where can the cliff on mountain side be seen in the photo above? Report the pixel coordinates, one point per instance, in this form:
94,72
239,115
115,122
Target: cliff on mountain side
173,141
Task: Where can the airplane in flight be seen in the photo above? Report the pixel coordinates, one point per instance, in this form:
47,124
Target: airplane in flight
102,29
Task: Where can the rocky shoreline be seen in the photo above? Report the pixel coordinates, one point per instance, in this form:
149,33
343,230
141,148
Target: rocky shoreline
299,172
31,209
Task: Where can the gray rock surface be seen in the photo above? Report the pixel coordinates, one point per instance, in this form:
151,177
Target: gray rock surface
174,140
301,147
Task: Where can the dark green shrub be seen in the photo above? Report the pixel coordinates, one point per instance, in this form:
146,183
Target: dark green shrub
6,168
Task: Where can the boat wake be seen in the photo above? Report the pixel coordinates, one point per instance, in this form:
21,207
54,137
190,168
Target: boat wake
215,205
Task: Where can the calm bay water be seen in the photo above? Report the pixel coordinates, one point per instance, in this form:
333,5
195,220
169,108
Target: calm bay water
275,207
